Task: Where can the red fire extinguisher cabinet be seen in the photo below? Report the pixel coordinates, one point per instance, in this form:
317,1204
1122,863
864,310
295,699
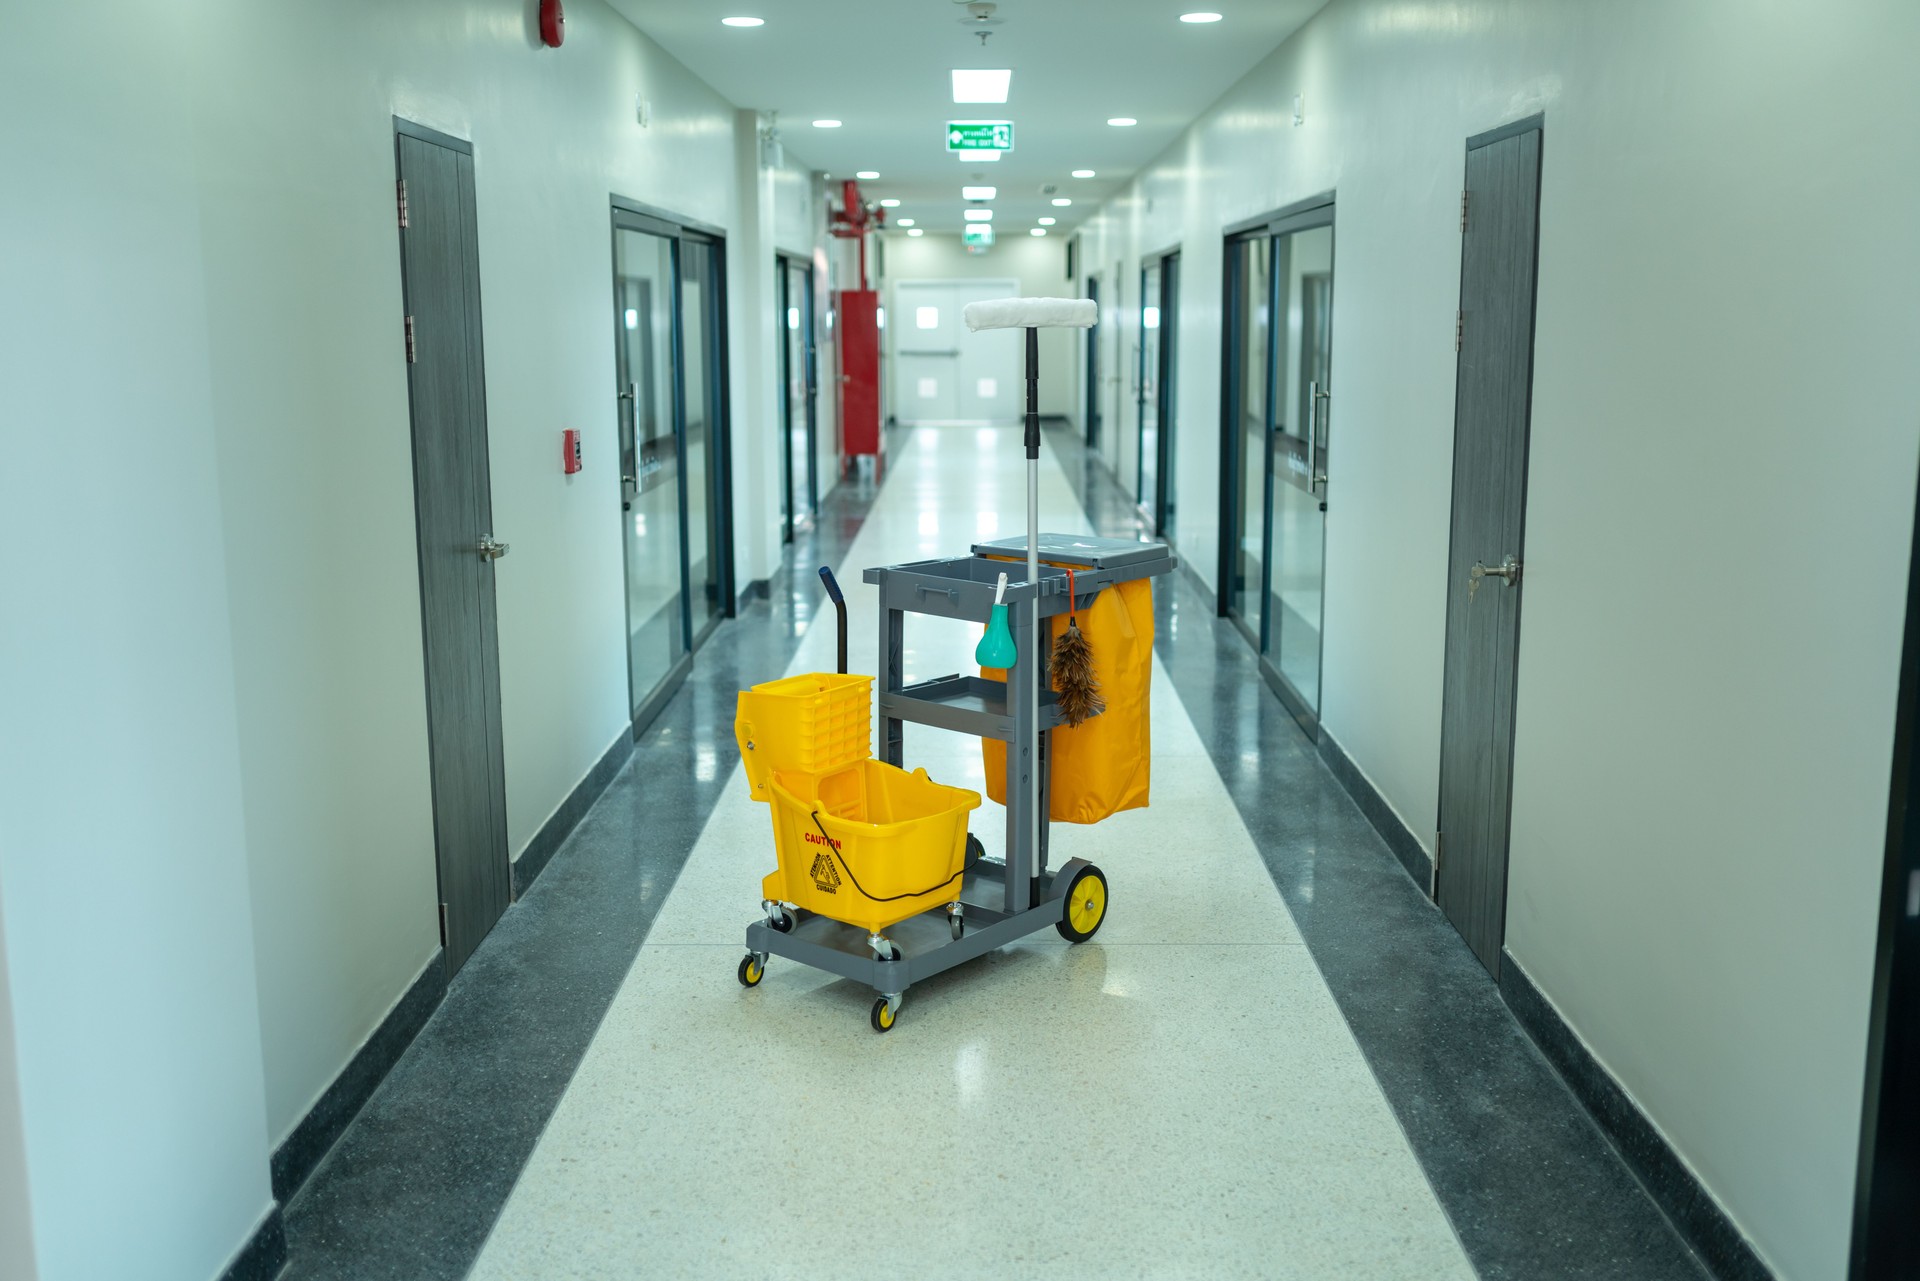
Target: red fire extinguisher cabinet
858,314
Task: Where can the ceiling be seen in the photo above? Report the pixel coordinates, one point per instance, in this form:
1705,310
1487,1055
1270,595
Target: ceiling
881,67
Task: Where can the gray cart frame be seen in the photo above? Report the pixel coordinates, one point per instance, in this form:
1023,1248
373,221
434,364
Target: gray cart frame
1000,900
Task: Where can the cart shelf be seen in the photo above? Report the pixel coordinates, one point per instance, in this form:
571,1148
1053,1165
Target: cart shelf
969,704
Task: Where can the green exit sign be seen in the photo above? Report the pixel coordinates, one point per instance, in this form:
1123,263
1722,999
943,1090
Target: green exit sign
977,233
979,135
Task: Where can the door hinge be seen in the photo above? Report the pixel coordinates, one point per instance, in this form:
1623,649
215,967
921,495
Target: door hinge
443,925
1433,884
402,186
1459,330
1463,212
411,357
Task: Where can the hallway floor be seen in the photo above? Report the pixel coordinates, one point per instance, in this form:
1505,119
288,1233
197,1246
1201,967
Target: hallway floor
1275,1060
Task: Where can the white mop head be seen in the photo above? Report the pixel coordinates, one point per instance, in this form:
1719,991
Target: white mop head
1031,313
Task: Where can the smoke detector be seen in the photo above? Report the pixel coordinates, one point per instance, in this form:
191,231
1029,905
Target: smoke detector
1048,188
980,18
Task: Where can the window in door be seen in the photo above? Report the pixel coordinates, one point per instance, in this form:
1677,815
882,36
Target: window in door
1278,393
670,368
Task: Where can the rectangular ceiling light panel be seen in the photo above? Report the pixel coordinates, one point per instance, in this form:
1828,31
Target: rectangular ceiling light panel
979,193
981,86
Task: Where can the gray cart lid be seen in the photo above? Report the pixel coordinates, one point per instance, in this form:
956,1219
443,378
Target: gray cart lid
1082,550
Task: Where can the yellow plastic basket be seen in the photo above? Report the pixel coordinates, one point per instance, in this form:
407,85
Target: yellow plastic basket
870,844
814,724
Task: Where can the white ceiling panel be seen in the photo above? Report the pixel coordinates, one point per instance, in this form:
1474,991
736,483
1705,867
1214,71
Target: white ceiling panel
882,67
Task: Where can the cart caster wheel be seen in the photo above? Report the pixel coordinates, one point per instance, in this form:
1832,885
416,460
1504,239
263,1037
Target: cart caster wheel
957,925
883,1015
1085,907
752,970
784,924
975,850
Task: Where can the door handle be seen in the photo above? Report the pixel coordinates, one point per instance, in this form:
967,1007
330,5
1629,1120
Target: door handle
491,548
1507,571
1314,398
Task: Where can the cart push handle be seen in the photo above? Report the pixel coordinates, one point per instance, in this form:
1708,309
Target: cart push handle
840,607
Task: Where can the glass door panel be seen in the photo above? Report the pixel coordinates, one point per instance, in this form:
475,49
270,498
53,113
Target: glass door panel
1169,385
1149,401
1297,547
796,323
1252,266
649,458
699,354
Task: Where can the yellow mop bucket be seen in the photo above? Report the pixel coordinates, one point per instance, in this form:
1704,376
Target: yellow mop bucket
869,844
815,723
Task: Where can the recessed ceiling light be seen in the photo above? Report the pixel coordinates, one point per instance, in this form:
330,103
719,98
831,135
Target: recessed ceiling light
981,86
1046,222
889,204
977,157
978,193
1037,231
1083,173
743,22
977,215
1118,122
1061,202
903,222
916,232
1199,17
835,124
867,175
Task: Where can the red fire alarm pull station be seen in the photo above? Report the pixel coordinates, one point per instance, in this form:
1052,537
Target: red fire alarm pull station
570,451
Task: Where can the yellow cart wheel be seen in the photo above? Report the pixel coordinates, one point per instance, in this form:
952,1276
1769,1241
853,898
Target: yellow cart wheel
752,970
1085,906
883,1015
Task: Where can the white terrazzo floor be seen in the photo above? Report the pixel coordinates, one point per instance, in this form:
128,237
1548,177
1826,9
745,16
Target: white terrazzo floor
1178,1097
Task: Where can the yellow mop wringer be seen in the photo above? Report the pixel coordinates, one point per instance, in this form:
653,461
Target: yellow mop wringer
858,840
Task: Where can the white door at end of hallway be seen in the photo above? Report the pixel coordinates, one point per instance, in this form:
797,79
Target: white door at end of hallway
945,374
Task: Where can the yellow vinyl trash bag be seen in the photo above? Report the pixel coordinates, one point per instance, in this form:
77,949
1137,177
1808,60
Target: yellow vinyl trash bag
1101,766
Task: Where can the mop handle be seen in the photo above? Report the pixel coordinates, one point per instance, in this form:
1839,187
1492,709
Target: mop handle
1033,576
840,608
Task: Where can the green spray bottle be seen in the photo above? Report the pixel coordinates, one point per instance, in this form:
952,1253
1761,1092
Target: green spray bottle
996,647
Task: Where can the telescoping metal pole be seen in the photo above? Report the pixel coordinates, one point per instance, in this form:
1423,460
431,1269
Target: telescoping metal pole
1033,576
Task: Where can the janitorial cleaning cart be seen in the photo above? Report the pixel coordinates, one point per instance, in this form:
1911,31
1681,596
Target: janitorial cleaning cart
878,877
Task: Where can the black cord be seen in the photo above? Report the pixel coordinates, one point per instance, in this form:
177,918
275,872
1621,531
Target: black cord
835,847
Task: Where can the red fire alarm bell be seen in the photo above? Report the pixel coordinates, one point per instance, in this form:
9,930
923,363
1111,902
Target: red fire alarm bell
570,451
553,23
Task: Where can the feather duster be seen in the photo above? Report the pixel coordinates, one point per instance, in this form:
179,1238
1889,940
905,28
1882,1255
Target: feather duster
1072,669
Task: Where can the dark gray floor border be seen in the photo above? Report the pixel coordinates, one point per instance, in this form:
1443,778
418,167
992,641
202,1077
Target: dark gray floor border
265,1252
1531,1184
1398,836
417,1180
546,842
1673,1187
341,1101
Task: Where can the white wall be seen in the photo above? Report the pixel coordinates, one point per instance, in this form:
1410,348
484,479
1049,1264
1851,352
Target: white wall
1720,500
295,124
1038,263
209,336
128,951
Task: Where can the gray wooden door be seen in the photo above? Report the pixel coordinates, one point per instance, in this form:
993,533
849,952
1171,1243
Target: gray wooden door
1492,406
453,514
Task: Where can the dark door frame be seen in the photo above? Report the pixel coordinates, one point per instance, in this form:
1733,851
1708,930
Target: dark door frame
458,911
785,264
1886,1241
634,215
1093,367
1164,390
1491,957
1302,215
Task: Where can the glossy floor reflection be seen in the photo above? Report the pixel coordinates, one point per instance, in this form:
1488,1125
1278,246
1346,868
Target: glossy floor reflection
1181,1096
